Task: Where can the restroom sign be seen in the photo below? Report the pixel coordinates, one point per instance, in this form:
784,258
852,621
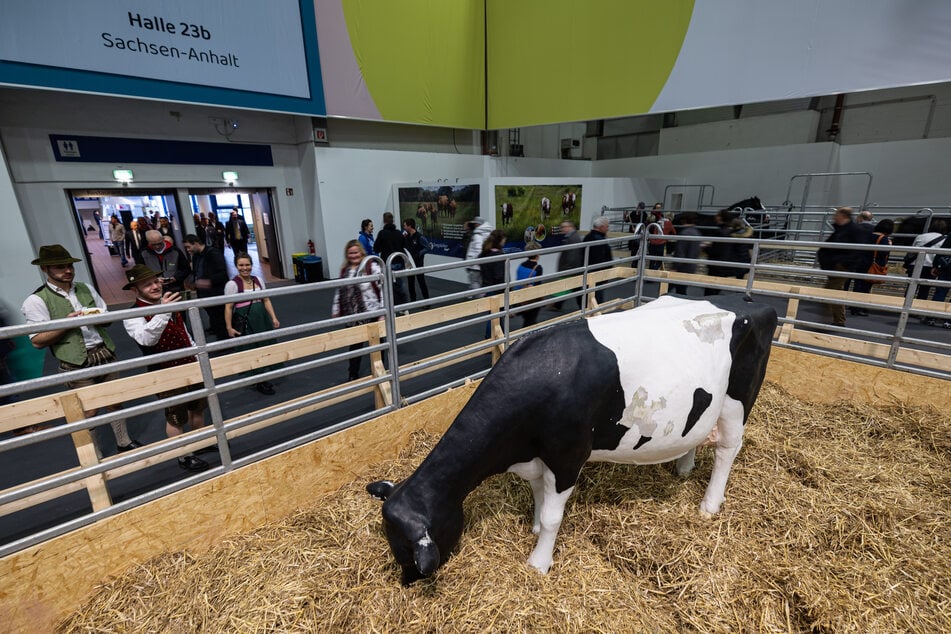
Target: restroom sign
68,148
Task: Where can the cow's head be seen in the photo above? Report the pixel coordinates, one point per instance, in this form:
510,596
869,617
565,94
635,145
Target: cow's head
419,543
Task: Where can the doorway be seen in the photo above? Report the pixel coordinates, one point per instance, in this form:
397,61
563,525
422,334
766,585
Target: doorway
256,208
93,211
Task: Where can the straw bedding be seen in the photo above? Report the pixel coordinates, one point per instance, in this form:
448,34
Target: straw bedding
836,520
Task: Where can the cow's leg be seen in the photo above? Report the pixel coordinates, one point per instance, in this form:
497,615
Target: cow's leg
730,440
552,512
533,472
685,463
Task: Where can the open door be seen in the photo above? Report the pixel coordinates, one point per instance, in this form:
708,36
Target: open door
265,224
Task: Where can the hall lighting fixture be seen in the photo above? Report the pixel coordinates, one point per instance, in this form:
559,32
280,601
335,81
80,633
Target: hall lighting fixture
123,176
230,177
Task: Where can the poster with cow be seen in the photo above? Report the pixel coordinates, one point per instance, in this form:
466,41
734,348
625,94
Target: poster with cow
533,213
441,213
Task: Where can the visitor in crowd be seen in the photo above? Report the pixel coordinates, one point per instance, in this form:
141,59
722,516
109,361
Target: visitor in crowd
359,298
117,237
599,252
61,297
249,317
366,236
165,332
657,246
478,230
389,241
237,232
931,238
135,240
210,276
492,273
526,271
874,262
570,258
686,249
418,246
163,256
838,261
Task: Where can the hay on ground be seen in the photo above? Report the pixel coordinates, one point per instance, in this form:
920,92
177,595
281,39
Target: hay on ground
836,519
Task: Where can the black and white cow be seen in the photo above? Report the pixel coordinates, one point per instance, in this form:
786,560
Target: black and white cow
508,210
546,207
590,390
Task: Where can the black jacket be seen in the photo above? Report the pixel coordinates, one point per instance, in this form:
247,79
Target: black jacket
830,257
598,253
210,265
389,240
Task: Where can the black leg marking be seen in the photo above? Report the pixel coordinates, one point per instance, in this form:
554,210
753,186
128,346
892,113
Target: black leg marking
701,401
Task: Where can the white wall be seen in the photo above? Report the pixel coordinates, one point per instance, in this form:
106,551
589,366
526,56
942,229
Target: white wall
779,129
736,174
17,277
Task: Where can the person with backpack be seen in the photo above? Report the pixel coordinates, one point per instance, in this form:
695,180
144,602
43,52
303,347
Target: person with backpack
941,270
358,298
528,269
244,318
932,238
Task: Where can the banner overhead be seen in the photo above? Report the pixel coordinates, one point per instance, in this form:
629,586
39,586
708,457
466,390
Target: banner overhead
243,53
614,58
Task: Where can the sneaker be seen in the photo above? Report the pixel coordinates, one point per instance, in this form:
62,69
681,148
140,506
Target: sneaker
946,325
192,463
133,444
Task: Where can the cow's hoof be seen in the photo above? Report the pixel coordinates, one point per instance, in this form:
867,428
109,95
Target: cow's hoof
706,516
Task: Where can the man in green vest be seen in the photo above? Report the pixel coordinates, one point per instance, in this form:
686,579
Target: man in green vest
75,348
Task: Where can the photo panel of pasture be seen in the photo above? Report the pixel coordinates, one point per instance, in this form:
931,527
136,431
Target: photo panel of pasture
441,213
532,213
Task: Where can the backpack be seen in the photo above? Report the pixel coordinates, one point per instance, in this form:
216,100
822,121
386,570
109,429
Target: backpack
909,260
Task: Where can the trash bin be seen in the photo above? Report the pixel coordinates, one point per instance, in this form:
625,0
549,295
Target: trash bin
313,268
298,266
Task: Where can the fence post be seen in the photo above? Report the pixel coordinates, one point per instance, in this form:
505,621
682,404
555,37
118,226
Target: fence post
86,451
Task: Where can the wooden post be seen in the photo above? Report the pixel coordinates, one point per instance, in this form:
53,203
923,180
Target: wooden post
381,392
87,451
792,309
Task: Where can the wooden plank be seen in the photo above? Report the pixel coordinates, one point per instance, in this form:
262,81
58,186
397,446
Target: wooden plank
33,411
924,359
838,343
87,452
797,372
44,496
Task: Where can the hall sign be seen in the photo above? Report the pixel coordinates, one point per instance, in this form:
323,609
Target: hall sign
241,45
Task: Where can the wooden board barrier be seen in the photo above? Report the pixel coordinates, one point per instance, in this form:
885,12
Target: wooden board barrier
43,583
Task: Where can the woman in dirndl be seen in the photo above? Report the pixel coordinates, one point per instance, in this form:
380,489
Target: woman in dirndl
244,318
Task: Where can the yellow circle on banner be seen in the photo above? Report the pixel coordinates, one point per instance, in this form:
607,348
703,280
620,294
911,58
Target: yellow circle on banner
422,61
560,60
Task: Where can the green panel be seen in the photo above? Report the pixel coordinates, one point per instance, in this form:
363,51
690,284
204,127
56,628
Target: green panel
423,60
552,61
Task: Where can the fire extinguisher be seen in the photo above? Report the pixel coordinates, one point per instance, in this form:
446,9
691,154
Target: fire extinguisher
310,247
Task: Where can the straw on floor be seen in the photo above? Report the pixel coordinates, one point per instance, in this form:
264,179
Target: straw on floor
837,520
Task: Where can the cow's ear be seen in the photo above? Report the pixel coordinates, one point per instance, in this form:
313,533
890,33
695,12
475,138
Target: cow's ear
380,489
426,555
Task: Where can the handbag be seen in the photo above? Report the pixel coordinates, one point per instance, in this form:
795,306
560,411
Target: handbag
875,268
239,321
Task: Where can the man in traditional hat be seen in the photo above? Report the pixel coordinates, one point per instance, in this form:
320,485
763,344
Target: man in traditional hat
165,332
75,348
